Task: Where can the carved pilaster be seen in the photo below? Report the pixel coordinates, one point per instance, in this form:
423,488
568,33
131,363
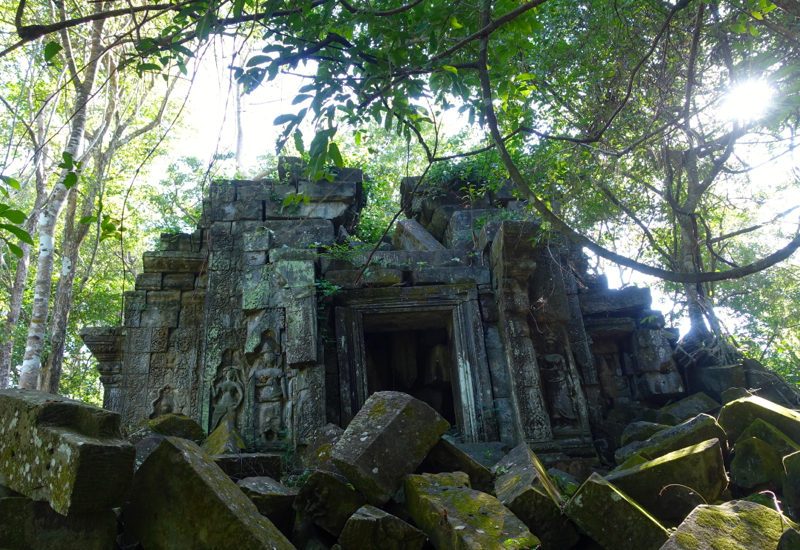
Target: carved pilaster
107,346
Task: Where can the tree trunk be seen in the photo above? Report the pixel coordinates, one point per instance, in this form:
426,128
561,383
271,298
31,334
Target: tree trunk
29,371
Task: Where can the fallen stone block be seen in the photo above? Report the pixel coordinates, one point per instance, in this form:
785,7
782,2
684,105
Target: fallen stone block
410,235
446,457
386,441
181,500
175,425
631,461
691,406
639,431
487,454
699,467
772,436
269,496
735,525
732,394
373,529
612,519
737,416
756,466
328,501
246,465
63,451
454,516
29,525
791,482
526,489
317,455
224,439
790,540
715,380
691,432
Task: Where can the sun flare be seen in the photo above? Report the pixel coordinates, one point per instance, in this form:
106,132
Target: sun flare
747,101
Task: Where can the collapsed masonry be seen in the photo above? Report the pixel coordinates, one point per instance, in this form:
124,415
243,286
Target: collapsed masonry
254,319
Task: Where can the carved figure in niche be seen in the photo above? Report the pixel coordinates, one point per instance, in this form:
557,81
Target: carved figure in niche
230,394
164,403
555,373
271,389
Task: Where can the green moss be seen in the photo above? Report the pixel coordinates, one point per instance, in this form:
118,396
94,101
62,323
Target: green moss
687,540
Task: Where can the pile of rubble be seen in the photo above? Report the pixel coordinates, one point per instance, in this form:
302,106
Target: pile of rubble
721,476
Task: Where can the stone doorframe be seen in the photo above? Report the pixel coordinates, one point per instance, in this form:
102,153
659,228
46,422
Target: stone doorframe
453,306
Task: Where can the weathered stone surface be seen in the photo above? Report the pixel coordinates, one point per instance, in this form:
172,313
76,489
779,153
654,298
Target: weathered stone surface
715,380
627,300
244,465
175,425
317,455
479,275
790,540
732,394
756,466
446,457
454,516
29,525
373,277
691,406
386,441
691,432
63,451
487,454
699,467
791,482
181,499
526,489
735,525
328,501
373,529
657,384
172,262
639,431
410,235
772,436
270,497
736,417
612,519
224,439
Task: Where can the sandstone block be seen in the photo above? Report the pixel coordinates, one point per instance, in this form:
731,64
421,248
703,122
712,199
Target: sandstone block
317,455
773,437
691,432
182,500
791,482
454,516
371,528
691,406
63,451
386,441
328,501
716,380
269,496
175,425
756,466
737,416
527,490
224,439
410,235
612,519
640,431
699,467
446,457
627,300
734,525
243,465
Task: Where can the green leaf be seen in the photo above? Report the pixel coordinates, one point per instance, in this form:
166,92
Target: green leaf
70,179
11,182
301,98
298,142
258,60
283,119
738,27
142,67
69,162
15,250
757,15
21,234
14,215
86,220
51,50
335,155
524,76
454,22
306,199
753,30
288,200
450,69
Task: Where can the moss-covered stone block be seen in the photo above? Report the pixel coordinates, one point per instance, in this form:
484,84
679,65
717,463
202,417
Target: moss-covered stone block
613,519
328,501
244,465
633,460
269,496
175,425
371,528
454,516
63,451
691,432
738,415
182,500
791,482
29,525
224,439
790,540
699,467
772,436
756,466
386,441
691,406
525,488
735,525
446,457
640,431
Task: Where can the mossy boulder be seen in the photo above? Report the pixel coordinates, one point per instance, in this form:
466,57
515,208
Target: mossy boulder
735,525
317,455
756,466
29,525
225,439
691,406
63,451
738,415
456,517
269,496
612,519
181,500
790,540
791,482
633,460
246,465
328,501
691,432
386,441
770,435
699,467
446,457
639,431
526,489
175,425
373,529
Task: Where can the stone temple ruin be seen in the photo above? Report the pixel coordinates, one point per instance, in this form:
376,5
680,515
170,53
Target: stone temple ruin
485,317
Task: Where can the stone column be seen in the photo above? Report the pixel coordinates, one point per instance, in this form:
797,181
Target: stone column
107,345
